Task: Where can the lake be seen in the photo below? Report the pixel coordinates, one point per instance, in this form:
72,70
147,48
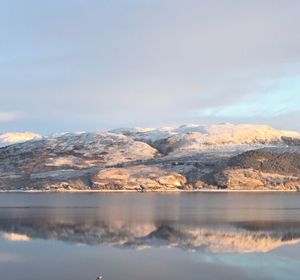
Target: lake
148,236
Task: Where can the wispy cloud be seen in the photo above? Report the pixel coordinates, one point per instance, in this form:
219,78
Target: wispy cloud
273,98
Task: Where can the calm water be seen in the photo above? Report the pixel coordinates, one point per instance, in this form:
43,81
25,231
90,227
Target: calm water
150,236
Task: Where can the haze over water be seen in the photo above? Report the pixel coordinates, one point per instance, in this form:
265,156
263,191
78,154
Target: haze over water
149,236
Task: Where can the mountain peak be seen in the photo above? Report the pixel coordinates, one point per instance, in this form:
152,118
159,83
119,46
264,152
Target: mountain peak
10,138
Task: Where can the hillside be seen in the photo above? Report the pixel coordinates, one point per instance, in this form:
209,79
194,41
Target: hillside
36,164
189,157
186,139
264,169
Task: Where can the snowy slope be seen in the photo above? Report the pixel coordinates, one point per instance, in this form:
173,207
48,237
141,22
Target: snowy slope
72,151
189,138
17,137
185,138
107,147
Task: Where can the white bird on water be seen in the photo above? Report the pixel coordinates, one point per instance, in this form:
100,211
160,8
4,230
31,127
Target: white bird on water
99,278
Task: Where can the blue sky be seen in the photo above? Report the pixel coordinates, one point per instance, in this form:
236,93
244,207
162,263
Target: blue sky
97,64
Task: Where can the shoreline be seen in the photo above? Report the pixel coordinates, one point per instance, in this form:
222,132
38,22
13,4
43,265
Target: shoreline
164,191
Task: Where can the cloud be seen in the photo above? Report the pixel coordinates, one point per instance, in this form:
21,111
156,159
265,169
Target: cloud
132,62
275,98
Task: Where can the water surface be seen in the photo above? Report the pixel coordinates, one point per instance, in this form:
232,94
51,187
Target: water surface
149,236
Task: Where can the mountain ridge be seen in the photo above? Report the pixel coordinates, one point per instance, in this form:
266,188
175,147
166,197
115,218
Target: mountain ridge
187,157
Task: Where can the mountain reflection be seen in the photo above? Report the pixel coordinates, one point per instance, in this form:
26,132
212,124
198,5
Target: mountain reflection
229,237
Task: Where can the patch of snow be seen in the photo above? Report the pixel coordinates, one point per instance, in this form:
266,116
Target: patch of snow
63,161
15,237
10,138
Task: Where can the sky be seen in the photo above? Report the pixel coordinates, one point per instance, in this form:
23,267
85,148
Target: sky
87,65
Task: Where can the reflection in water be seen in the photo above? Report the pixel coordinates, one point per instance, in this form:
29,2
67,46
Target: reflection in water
136,236
215,238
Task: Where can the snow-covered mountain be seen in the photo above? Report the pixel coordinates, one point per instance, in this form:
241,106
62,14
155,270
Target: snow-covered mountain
193,137
190,136
17,137
77,150
212,134
168,158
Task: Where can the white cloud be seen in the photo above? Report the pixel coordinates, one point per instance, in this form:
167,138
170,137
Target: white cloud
145,63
